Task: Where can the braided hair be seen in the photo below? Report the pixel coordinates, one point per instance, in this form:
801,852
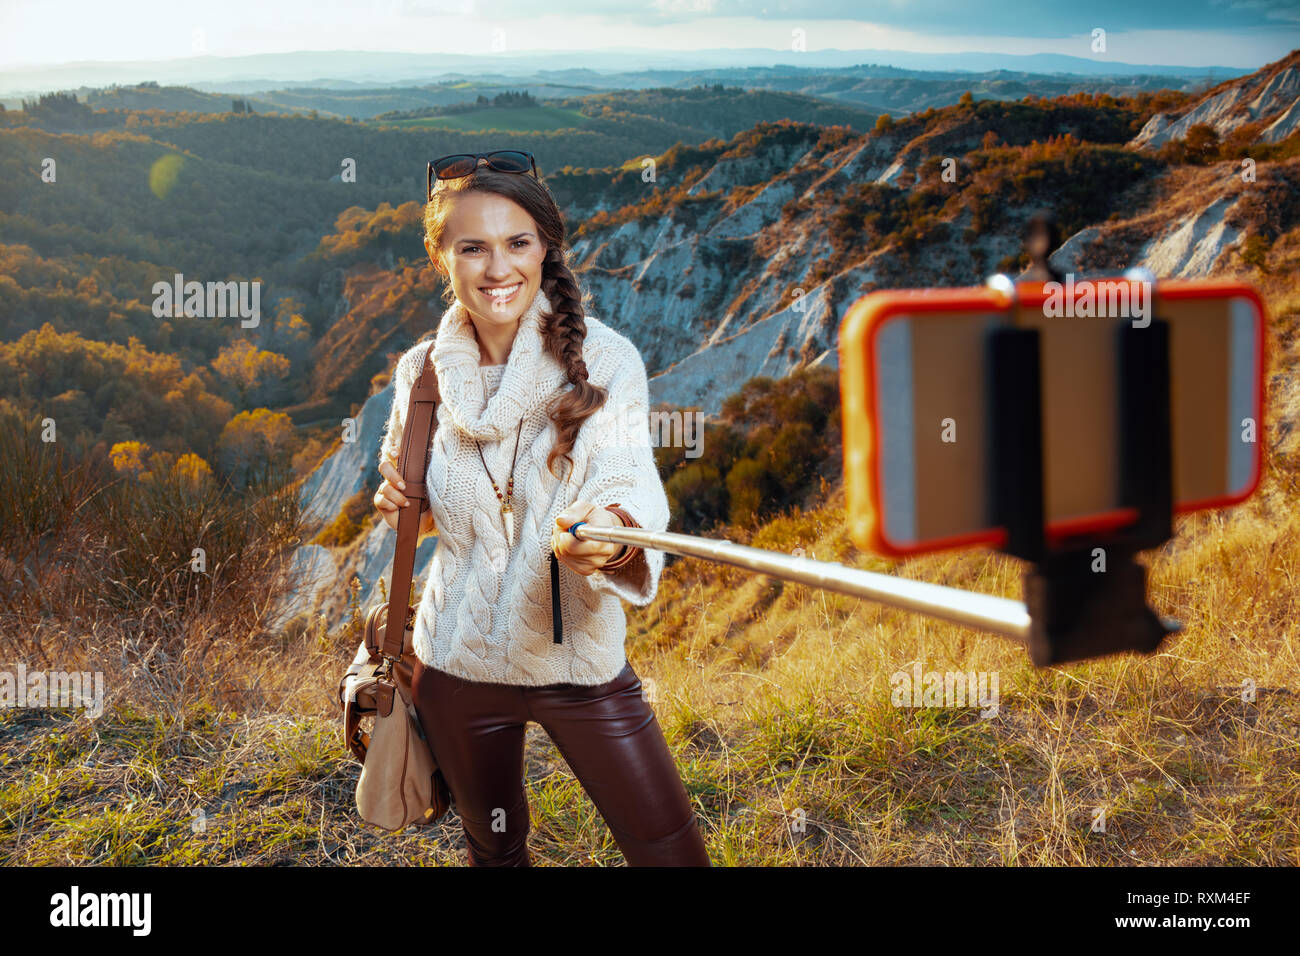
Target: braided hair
564,328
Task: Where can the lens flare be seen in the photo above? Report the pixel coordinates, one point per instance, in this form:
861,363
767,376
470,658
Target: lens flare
164,173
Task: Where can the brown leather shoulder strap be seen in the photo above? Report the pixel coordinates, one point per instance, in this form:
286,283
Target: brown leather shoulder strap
417,436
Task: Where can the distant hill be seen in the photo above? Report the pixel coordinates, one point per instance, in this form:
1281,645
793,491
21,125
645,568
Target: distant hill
336,68
866,86
691,115
172,99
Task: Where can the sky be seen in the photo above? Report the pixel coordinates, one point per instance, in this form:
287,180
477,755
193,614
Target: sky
1238,33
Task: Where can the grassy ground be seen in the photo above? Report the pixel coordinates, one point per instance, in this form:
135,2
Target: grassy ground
776,700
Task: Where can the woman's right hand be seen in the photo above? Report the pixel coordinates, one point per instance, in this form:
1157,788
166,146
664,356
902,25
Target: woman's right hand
389,499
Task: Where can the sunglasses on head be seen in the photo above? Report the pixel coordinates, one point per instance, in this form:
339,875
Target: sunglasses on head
457,165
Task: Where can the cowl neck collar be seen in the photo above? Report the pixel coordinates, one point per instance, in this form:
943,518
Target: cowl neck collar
530,372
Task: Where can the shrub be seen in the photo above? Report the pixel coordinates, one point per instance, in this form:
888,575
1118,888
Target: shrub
1202,144
1254,252
697,497
748,484
792,455
348,523
338,533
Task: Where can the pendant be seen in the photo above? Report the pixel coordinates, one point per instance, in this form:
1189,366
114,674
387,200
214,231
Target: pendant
508,516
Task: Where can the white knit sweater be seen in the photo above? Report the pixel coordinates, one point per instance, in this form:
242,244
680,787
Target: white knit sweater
485,613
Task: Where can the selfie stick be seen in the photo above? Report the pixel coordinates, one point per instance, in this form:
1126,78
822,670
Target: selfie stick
983,611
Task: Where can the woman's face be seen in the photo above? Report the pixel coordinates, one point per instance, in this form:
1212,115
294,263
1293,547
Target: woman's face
490,243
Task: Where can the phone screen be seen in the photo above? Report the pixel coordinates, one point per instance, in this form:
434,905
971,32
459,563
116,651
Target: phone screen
914,382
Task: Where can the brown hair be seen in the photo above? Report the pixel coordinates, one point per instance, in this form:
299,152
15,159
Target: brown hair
564,329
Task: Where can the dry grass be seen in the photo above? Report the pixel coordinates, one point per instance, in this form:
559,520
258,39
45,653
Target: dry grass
775,715
1185,769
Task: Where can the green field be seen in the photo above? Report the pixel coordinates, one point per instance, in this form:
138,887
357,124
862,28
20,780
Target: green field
523,119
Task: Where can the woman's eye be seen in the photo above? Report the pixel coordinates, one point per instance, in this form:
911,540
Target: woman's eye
520,242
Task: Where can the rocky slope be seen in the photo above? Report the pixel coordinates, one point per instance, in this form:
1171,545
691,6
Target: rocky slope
319,579
1269,98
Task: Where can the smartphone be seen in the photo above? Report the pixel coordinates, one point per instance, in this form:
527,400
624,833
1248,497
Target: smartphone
915,392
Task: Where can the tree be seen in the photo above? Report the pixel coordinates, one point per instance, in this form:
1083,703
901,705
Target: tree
192,469
254,442
249,369
128,458
289,334
884,123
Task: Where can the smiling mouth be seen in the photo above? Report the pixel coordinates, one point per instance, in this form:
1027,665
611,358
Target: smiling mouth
501,293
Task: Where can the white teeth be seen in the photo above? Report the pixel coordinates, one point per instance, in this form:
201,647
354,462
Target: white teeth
504,293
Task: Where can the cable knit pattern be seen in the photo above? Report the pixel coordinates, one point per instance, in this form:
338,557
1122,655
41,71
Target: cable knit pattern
485,614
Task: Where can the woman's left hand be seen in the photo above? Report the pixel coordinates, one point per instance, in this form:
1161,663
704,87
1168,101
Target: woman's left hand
584,556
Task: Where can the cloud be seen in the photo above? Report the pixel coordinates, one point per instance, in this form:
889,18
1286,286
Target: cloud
1287,11
1028,18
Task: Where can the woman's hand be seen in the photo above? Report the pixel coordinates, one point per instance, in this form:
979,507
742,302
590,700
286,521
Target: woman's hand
389,499
584,556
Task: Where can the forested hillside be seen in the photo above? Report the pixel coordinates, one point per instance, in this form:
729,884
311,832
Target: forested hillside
733,260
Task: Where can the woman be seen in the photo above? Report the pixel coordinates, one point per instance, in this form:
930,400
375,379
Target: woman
530,384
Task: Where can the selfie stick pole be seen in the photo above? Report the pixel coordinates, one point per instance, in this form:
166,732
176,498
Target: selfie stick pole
984,611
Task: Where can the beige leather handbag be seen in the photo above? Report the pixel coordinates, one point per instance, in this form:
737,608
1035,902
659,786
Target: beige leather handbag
400,783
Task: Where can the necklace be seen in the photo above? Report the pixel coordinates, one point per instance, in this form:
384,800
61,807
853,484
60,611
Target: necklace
507,515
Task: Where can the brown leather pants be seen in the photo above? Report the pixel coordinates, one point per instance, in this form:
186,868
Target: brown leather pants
607,733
